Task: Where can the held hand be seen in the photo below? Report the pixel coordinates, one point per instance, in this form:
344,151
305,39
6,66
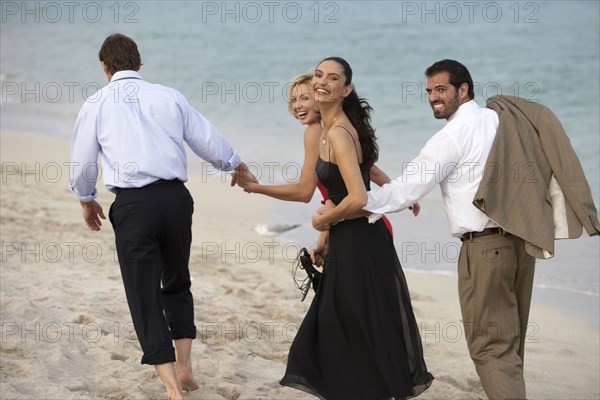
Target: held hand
329,205
92,212
234,179
415,208
242,173
318,221
243,182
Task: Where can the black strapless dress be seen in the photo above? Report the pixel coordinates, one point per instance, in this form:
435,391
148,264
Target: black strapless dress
359,339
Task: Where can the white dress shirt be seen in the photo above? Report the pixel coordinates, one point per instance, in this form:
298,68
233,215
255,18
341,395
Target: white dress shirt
455,159
139,129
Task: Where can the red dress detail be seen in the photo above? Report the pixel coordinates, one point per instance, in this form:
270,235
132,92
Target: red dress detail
326,196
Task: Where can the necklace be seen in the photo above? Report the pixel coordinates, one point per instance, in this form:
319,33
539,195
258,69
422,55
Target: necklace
327,131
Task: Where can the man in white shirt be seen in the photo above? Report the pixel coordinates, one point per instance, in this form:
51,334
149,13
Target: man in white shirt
495,274
139,129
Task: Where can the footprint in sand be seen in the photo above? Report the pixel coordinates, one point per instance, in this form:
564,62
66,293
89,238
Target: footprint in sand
230,393
10,370
25,308
84,319
243,294
148,376
224,349
272,356
12,351
77,386
420,297
268,287
467,386
118,357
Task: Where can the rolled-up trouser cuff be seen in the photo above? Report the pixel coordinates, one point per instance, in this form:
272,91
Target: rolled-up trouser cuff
188,333
159,356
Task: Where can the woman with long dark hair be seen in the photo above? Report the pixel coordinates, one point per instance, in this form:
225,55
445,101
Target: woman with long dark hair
359,339
302,106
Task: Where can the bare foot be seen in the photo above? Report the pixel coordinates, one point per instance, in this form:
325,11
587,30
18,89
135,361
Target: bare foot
188,385
173,396
167,375
185,378
183,365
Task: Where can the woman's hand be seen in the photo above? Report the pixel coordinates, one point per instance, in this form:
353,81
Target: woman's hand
318,254
243,178
318,221
245,182
319,217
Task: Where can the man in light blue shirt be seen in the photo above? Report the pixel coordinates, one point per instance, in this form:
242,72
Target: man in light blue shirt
139,130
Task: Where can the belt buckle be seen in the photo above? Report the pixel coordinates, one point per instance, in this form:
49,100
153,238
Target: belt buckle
466,236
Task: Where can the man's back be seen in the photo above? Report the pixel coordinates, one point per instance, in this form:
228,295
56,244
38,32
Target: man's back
139,129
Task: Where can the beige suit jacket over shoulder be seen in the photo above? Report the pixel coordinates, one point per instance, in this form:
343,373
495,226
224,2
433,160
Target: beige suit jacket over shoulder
533,185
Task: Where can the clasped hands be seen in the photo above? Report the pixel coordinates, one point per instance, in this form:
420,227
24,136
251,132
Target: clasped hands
319,217
242,177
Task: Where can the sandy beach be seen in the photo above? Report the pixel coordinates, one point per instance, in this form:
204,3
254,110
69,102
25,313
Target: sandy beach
66,331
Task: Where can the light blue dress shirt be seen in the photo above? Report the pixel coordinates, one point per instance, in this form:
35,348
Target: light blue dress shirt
139,129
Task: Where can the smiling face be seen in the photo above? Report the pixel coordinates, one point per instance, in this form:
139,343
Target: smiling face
329,83
303,105
443,97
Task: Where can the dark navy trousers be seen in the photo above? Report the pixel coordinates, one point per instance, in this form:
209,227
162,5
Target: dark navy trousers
153,232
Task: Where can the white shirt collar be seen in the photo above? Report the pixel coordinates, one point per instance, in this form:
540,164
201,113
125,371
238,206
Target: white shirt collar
464,109
125,74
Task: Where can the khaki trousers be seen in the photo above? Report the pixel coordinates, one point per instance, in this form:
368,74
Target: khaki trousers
495,281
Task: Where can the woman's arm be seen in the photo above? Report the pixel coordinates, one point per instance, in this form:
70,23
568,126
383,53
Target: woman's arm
305,188
378,177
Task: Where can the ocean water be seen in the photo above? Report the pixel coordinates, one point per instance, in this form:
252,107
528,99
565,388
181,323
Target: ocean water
232,60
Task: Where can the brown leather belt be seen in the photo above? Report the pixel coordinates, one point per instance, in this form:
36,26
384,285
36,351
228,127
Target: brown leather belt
485,232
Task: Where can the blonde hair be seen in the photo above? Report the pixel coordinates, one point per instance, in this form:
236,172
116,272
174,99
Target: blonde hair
302,79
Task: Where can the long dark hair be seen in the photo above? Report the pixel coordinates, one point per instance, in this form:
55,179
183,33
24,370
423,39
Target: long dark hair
358,111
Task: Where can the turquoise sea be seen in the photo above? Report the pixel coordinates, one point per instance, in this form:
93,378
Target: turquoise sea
233,59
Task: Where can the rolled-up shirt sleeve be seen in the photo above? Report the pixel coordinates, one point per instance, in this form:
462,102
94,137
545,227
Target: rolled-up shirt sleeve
207,141
435,162
83,169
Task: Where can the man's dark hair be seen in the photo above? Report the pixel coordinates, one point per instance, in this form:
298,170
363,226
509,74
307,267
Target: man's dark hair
459,74
120,53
